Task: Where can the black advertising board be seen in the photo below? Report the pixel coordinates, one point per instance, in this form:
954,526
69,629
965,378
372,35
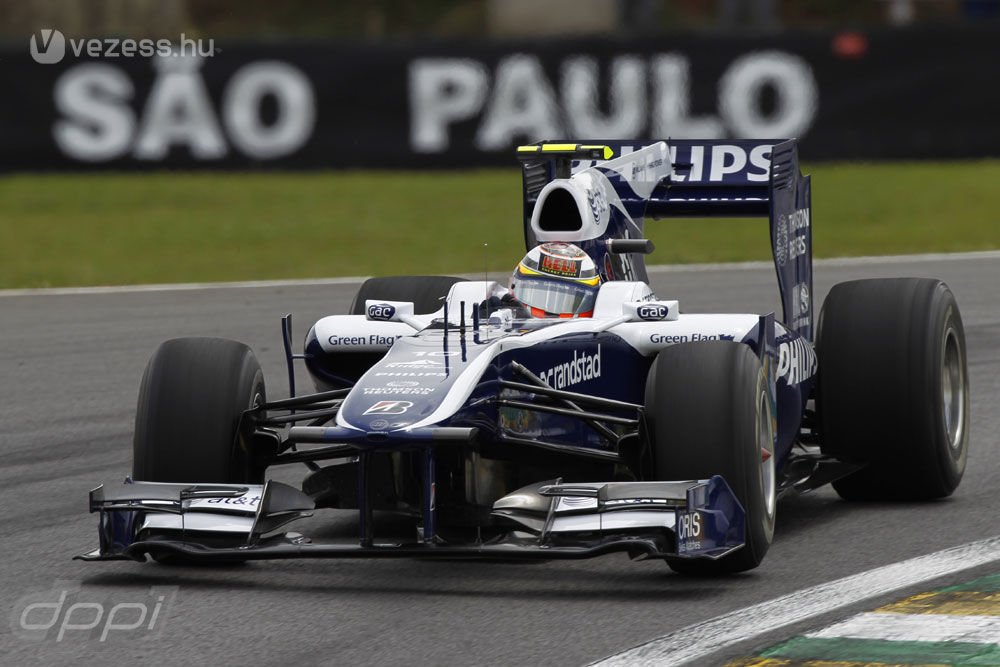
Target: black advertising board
929,93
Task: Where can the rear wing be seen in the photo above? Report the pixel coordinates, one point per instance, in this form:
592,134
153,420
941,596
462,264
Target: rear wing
599,192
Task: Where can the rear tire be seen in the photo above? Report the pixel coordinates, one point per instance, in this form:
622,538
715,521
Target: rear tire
425,292
894,388
708,413
188,419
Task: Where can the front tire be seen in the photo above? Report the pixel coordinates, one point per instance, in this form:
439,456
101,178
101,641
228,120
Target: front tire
708,413
894,388
188,425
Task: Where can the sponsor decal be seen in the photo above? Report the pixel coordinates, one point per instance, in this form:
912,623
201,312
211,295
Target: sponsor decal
389,408
689,530
796,247
560,266
387,341
416,363
689,525
635,501
671,339
796,361
243,501
369,340
800,300
378,425
381,311
405,374
561,259
668,339
790,236
598,201
581,368
791,241
800,322
689,545
652,312
396,391
403,383
781,240
799,219
722,161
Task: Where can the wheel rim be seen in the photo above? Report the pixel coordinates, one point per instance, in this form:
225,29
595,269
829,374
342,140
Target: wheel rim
953,389
765,443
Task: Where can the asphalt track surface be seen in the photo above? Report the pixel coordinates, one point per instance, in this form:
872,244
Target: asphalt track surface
70,368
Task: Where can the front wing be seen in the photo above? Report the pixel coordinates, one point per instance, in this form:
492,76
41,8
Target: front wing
239,522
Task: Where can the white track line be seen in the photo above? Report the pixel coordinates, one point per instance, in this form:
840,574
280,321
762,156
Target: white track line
703,639
348,280
915,627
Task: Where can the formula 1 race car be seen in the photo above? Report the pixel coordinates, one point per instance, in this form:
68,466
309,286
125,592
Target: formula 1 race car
571,413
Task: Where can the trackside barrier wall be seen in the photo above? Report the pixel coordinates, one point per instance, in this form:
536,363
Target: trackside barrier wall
467,103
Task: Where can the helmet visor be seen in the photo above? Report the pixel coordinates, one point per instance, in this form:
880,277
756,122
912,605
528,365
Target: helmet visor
556,296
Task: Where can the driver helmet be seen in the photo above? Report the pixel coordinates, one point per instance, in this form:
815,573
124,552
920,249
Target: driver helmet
556,280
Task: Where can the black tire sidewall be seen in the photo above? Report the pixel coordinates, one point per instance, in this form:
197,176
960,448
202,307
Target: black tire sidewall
880,397
189,425
691,390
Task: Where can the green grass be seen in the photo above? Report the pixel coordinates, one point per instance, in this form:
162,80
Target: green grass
187,227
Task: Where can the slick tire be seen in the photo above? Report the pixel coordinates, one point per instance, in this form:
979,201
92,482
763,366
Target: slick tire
707,413
426,292
188,424
894,388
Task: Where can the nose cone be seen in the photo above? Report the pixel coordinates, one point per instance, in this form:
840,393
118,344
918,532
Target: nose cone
411,383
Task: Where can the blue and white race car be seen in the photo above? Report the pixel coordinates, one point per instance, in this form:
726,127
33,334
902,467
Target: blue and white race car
570,413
